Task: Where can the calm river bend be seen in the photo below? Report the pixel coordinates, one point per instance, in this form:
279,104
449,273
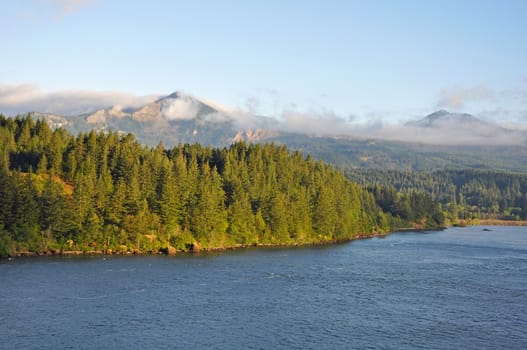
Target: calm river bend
462,288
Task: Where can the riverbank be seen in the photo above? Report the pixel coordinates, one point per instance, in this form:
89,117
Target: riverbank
414,229
490,222
193,248
196,248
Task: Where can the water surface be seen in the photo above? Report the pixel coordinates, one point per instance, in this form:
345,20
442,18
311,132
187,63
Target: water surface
462,288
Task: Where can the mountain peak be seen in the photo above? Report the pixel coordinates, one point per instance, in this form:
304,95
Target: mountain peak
456,123
176,95
439,113
443,117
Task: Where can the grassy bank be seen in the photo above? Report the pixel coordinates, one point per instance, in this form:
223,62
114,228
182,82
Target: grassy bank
492,222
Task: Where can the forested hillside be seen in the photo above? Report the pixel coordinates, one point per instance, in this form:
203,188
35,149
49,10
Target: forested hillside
355,154
107,192
465,194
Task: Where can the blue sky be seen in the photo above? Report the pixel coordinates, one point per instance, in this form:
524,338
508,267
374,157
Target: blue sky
362,60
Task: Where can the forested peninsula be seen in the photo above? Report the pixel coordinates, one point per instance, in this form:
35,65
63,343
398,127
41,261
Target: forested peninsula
107,193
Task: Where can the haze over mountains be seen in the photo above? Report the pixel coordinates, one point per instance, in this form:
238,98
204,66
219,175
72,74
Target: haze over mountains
470,126
180,117
172,119
439,140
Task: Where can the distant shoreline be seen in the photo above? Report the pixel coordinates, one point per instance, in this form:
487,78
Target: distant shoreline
491,222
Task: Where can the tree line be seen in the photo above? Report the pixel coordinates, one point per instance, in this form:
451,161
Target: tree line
106,191
464,194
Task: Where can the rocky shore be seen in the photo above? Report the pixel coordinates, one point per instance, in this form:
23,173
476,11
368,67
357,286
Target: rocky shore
193,248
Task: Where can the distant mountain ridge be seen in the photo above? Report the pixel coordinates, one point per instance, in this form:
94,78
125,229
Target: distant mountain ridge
172,107
442,118
438,141
459,124
173,119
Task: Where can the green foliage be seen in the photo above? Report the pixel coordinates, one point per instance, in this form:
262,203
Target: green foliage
7,245
105,191
464,194
378,155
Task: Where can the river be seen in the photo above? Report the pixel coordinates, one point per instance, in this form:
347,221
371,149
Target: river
461,288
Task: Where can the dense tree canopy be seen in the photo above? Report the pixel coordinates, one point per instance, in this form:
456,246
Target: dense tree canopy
101,191
464,194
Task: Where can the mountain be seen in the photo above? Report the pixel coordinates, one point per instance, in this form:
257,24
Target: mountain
349,153
54,120
176,118
443,119
441,140
176,106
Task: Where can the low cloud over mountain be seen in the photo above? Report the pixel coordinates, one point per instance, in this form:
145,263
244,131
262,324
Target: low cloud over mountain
180,117
26,98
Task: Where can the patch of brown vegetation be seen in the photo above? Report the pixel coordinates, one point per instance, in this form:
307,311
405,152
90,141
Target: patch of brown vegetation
495,222
41,178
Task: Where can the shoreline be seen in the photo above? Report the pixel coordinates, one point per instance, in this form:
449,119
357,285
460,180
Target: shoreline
490,222
169,252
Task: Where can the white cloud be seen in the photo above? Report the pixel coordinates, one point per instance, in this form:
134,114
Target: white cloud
508,117
248,120
181,108
252,104
327,123
14,94
26,98
449,135
321,122
218,117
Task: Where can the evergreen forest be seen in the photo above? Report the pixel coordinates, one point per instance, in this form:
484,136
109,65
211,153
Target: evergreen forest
463,194
105,192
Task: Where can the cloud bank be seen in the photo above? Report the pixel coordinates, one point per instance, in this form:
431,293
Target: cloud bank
315,122
445,135
449,133
182,108
24,98
320,121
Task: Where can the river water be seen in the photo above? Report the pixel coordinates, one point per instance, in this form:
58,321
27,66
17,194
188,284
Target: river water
462,288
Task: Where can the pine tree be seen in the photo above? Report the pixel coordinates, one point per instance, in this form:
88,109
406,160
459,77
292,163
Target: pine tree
7,194
53,211
209,217
25,225
242,226
42,167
